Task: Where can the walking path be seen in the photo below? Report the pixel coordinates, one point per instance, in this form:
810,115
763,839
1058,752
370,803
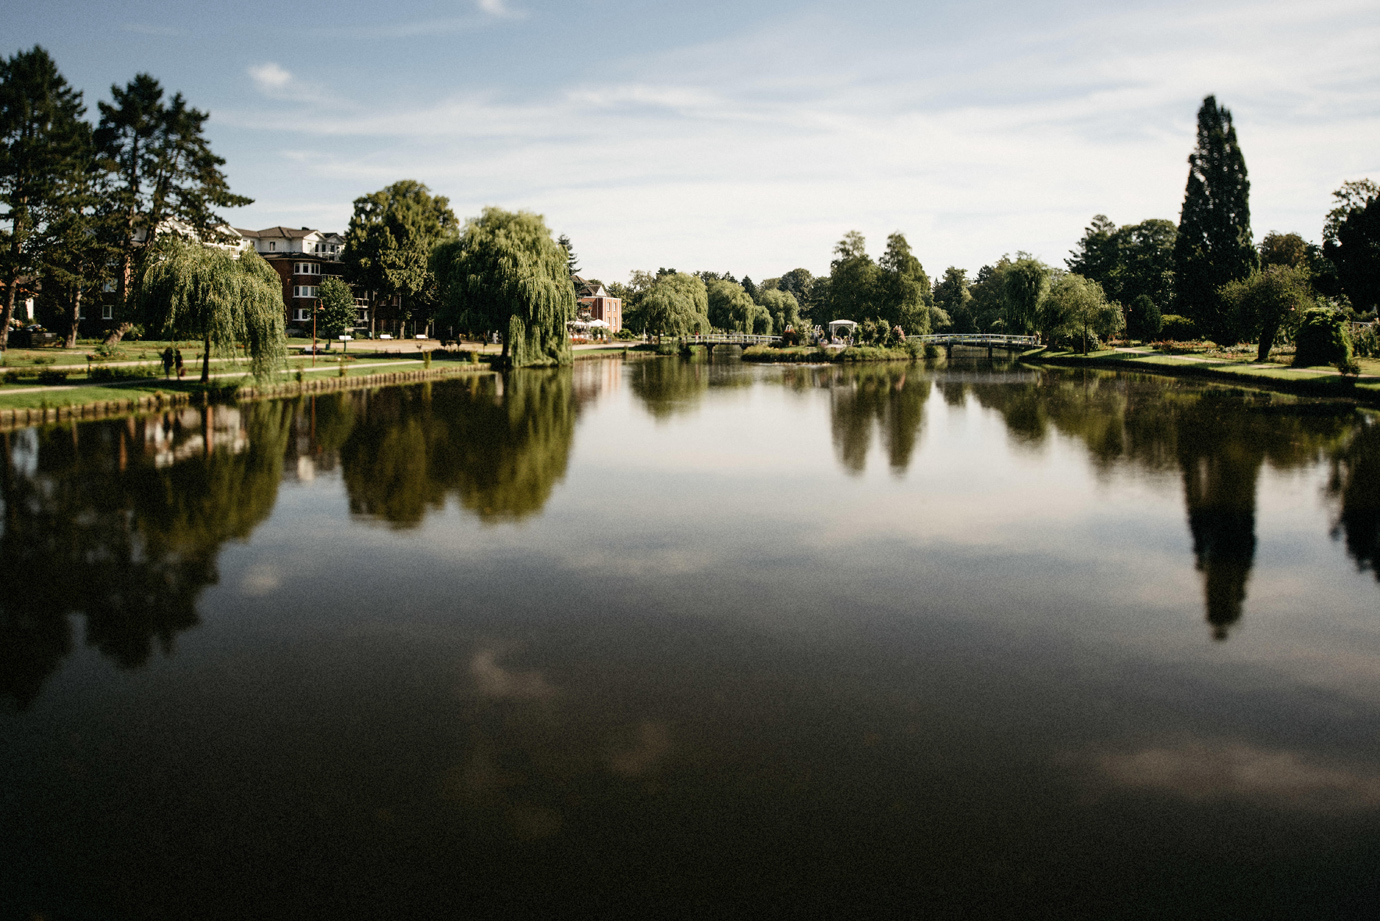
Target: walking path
1218,362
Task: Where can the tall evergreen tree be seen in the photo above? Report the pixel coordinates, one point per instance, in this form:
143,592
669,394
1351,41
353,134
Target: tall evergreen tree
1214,245
161,169
43,148
572,261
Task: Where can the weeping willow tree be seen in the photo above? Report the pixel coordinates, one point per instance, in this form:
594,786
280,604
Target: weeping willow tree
191,291
506,273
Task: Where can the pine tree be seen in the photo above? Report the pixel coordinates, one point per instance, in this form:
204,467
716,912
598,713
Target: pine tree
43,146
572,261
1214,245
161,168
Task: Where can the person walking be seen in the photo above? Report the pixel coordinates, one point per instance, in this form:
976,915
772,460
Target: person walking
167,362
177,360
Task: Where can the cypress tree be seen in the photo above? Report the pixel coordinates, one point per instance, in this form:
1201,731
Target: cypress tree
1214,246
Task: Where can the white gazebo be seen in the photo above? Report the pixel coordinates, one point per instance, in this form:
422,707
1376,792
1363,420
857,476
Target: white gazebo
848,327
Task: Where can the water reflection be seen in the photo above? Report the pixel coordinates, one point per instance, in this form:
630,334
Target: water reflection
122,522
888,398
668,387
498,444
1356,485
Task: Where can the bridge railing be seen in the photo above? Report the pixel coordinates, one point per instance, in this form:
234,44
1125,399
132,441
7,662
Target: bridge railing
982,340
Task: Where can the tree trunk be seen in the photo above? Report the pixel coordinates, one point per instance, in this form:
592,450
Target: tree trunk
206,363
71,342
118,333
9,313
1267,341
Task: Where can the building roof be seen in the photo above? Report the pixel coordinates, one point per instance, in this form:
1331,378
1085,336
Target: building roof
288,233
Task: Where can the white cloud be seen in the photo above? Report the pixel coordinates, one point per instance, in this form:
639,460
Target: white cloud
270,77
755,152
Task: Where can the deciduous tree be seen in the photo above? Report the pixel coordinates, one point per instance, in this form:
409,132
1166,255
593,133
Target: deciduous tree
506,272
191,291
389,242
336,311
676,305
1271,298
1351,240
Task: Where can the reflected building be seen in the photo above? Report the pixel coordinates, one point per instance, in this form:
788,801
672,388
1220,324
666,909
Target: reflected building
122,522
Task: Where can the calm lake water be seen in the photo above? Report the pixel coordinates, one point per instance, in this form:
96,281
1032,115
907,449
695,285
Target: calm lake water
662,639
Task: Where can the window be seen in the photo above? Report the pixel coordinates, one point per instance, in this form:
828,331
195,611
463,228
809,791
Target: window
272,246
107,312
302,314
305,291
306,268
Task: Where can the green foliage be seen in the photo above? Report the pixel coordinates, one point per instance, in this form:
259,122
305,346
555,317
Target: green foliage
903,296
1366,342
159,167
784,310
1214,246
190,291
100,375
1024,286
1287,249
44,149
336,311
677,304
1321,339
1129,262
1076,312
1269,300
389,243
951,295
853,278
1178,329
506,272
1352,243
1143,318
730,308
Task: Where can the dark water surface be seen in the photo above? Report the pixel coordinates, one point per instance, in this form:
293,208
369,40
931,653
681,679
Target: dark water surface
662,639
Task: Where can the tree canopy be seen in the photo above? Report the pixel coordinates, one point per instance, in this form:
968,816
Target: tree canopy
160,168
1214,245
902,294
192,291
337,313
389,241
730,307
1352,242
505,272
676,305
44,153
1271,298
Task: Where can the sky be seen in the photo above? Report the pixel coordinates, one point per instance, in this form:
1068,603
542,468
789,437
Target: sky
748,137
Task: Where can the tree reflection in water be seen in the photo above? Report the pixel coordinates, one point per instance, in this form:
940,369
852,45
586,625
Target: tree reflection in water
498,444
1218,440
122,522
888,398
1355,484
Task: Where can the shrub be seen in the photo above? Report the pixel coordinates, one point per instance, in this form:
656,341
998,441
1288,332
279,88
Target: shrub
931,351
120,374
1321,339
49,377
1365,343
1177,328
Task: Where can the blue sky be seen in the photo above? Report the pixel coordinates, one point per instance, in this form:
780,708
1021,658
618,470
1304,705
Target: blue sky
749,137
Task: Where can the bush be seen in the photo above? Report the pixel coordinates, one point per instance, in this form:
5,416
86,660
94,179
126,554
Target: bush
1322,339
625,334
48,378
1365,343
120,374
1177,328
931,351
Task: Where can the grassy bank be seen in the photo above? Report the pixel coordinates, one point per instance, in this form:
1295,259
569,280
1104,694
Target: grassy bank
1315,382
24,403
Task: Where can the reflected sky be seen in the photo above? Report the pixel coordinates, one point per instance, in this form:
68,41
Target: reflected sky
698,636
